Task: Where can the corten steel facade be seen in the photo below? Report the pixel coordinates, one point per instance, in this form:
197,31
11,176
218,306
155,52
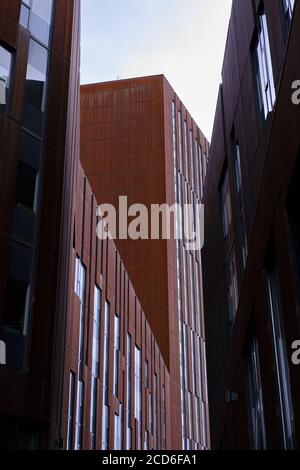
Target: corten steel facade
117,387
251,251
39,64
139,141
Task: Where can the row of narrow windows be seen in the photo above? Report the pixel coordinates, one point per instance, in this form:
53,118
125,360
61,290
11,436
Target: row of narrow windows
76,403
236,250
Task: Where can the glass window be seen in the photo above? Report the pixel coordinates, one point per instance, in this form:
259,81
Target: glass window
105,407
240,201
95,364
105,427
118,429
24,14
186,151
192,158
17,297
264,69
40,19
79,416
26,186
93,414
5,76
281,361
146,441
150,413
71,411
16,306
146,374
138,393
190,411
37,15
35,88
128,392
255,398
155,406
96,332
180,141
80,281
106,345
30,150
230,259
116,354
288,6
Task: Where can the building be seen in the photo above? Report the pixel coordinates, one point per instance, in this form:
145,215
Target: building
83,369
39,63
139,141
251,252
117,387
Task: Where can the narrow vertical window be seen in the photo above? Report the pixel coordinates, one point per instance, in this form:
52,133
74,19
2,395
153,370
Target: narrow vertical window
180,141
116,354
5,76
192,159
80,286
281,361
118,429
128,394
241,206
186,151
138,392
264,69
255,398
288,9
105,407
155,406
79,415
95,364
35,88
71,406
146,374
230,259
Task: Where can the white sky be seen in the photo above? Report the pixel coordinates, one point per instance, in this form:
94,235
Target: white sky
183,39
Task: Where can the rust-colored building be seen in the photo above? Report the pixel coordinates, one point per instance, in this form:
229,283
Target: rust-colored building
139,141
251,251
117,387
39,64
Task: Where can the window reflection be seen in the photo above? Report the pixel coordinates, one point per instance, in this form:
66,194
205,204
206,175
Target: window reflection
35,89
5,76
40,19
36,15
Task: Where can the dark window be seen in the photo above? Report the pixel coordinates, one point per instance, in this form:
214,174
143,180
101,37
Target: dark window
5,76
230,258
30,150
16,303
255,398
240,203
17,291
26,186
281,359
71,411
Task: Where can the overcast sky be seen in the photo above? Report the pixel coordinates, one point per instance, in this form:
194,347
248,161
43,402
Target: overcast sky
183,39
